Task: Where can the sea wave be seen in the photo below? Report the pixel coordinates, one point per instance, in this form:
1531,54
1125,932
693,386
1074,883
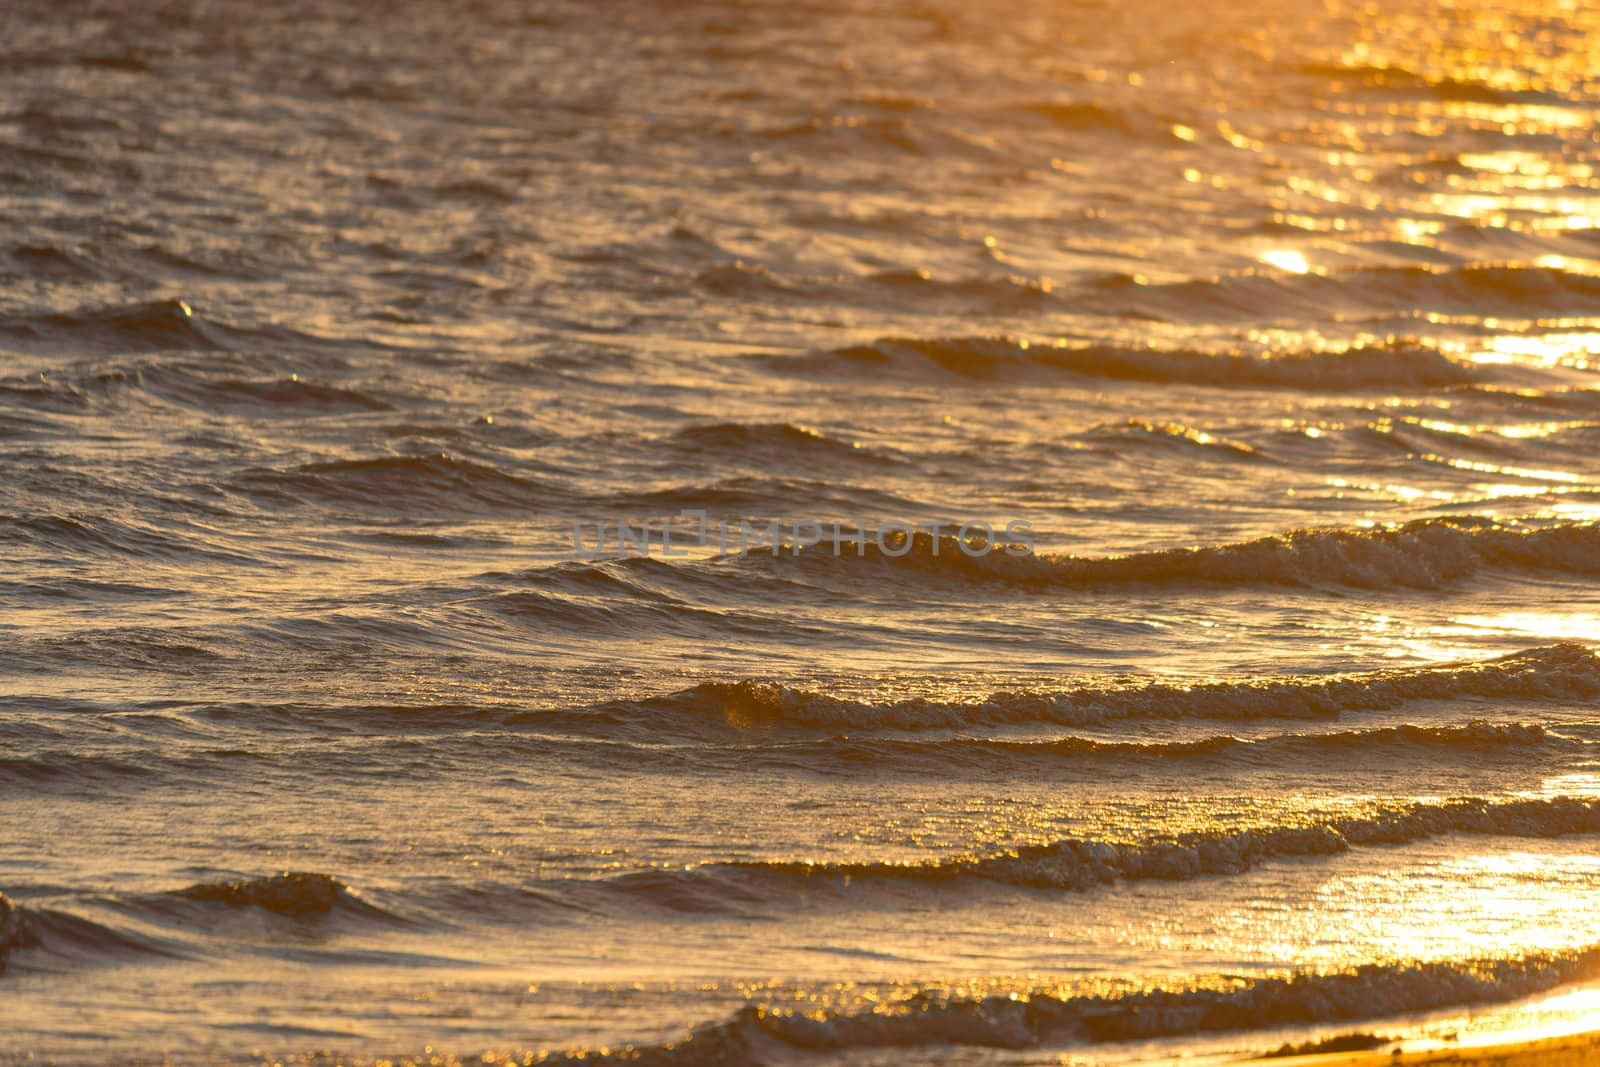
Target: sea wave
49,771
1382,366
1479,737
75,535
157,326
290,395
440,483
1092,115
293,894
767,1032
1557,672
1561,674
771,442
1116,438
1421,554
47,938
1474,289
1402,82
1078,865
218,382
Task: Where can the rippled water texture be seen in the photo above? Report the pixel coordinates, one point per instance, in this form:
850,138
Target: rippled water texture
1261,336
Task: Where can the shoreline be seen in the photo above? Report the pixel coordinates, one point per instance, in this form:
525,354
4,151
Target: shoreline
1567,1050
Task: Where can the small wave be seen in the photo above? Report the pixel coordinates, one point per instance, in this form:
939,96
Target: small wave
48,937
1570,401
741,279
162,648
388,87
16,425
1476,289
892,131
991,292
1401,81
95,535
889,130
756,495
624,595
1388,366
290,395
440,482
1564,673
56,769
126,60
779,438
1083,115
49,261
890,102
17,159
191,384
166,324
1558,672
1421,554
1093,117
643,610
1165,435
15,932
1033,1017
157,326
109,261
1478,737
1077,865
293,894
1080,865
476,190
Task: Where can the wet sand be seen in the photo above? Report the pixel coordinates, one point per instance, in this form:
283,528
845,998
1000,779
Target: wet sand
1569,1050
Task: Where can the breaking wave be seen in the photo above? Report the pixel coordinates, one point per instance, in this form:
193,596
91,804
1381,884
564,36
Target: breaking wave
1011,1020
1077,865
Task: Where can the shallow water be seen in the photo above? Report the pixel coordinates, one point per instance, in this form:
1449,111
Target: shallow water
1260,336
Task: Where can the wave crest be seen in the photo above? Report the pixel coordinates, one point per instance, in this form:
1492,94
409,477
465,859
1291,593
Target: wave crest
1557,672
293,894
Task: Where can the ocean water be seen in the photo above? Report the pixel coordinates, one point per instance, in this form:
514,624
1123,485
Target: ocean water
341,344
